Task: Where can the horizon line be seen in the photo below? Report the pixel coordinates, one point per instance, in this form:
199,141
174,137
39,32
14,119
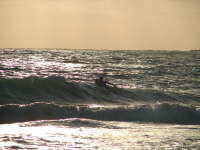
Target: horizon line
121,49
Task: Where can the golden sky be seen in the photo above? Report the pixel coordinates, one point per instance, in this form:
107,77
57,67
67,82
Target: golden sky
100,24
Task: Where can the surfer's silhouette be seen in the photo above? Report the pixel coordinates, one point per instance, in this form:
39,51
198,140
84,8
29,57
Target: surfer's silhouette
103,83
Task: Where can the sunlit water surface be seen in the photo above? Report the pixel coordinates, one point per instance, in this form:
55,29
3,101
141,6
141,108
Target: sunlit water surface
108,135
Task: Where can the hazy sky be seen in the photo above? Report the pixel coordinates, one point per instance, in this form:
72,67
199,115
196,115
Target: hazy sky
100,24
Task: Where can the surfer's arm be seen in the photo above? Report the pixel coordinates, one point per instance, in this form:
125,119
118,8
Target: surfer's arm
110,83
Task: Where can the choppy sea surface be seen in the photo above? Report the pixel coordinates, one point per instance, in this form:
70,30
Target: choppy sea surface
48,99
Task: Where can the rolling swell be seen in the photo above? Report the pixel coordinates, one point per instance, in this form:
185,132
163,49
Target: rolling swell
158,113
55,88
59,90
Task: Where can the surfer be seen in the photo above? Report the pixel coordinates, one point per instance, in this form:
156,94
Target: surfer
101,82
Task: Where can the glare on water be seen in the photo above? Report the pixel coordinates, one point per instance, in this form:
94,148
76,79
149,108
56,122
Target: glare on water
111,135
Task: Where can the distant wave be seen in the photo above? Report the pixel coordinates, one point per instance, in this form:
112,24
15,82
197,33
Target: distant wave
59,90
158,113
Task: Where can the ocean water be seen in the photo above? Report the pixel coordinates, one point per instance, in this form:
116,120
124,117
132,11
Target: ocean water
48,99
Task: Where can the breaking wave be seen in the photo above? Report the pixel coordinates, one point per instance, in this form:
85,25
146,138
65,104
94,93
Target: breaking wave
54,97
158,113
62,91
